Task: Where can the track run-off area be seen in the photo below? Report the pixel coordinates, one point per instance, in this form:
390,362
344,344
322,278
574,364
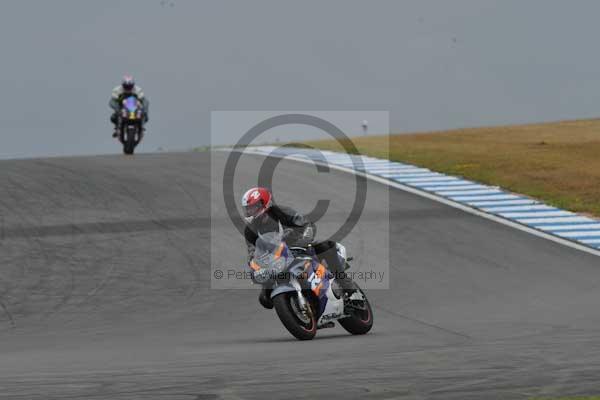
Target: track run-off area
106,292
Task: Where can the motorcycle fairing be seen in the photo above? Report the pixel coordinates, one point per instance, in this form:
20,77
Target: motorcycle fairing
131,104
319,278
333,309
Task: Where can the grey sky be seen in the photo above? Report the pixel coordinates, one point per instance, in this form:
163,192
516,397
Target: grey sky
432,64
229,127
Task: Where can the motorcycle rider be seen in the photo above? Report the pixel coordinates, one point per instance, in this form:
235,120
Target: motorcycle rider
119,93
262,216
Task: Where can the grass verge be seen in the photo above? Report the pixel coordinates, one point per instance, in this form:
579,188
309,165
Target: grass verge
558,163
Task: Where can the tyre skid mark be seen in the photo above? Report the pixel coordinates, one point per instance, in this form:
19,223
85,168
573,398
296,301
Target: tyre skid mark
424,323
155,218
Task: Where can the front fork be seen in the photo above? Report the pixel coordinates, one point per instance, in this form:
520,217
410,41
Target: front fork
121,133
301,300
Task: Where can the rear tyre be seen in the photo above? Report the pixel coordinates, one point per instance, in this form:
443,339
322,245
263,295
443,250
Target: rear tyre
301,326
360,320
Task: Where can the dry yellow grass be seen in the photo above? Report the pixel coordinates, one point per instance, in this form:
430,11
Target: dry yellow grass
558,163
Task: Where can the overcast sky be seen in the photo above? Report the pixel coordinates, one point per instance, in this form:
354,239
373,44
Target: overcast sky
431,64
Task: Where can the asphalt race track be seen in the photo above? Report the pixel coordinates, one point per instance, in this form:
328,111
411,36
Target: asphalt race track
105,293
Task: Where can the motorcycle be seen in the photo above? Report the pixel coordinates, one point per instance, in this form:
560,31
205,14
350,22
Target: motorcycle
305,294
130,126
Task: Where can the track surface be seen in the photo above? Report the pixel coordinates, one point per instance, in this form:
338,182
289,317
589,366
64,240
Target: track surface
105,293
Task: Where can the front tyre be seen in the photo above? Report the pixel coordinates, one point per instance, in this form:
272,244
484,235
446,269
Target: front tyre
360,320
302,325
129,142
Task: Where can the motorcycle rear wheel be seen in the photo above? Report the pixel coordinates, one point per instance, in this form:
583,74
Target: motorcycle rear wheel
360,321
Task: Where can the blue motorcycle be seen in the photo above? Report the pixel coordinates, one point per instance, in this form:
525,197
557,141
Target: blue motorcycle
131,124
305,294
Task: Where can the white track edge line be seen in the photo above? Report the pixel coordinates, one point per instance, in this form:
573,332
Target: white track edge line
443,200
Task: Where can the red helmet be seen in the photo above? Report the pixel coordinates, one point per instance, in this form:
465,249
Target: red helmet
256,202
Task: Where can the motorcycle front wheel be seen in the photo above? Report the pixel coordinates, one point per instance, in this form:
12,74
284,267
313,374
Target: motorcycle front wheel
129,142
302,325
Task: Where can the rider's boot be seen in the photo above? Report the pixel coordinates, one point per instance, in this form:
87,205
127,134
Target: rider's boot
336,263
264,298
114,119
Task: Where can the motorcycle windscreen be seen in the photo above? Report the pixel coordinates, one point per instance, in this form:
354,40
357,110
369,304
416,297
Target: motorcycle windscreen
271,252
131,104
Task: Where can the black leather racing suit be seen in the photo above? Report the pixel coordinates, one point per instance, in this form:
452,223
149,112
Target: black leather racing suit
298,231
